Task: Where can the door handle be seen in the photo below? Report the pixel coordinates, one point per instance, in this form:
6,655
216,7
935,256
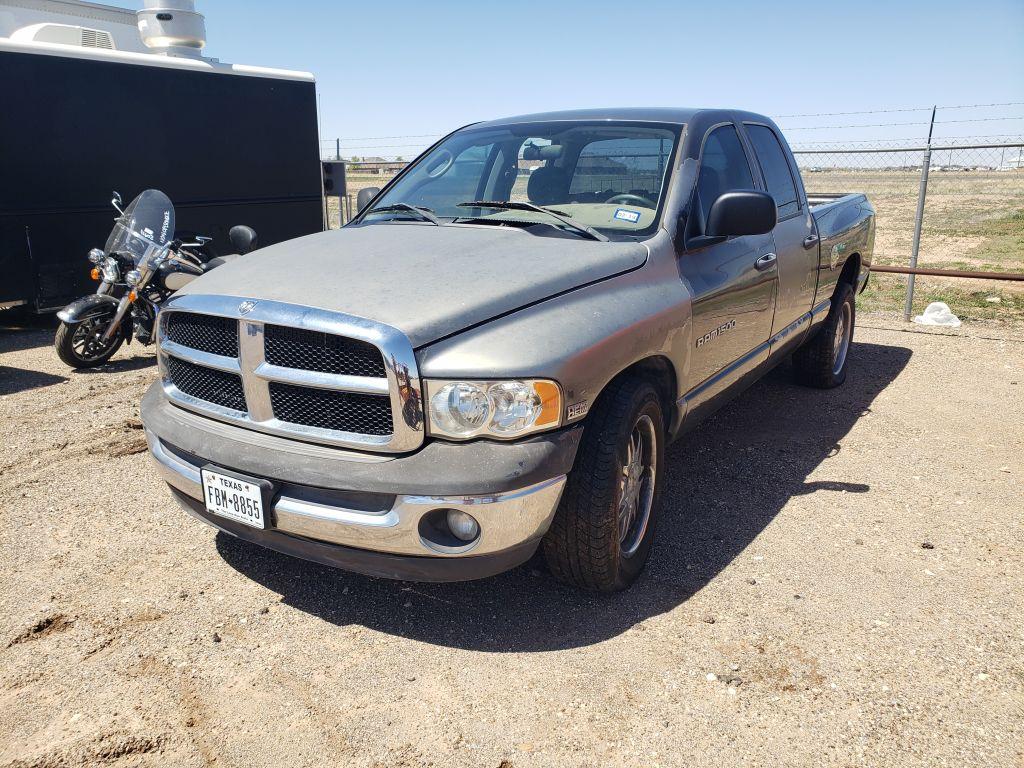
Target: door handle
810,241
765,261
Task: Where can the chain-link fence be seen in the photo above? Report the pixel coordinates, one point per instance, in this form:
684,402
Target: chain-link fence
972,216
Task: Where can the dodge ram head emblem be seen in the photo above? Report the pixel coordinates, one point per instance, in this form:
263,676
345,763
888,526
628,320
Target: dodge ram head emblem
246,307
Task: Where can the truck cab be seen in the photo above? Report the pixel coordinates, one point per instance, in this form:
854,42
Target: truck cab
493,355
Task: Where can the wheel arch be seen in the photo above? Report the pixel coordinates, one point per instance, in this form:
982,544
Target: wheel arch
661,373
851,271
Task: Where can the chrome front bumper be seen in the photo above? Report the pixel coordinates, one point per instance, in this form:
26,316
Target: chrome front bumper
507,520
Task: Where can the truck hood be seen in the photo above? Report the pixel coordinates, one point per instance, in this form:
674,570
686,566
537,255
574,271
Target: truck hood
424,280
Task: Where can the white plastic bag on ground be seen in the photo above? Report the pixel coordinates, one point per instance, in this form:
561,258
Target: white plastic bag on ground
938,313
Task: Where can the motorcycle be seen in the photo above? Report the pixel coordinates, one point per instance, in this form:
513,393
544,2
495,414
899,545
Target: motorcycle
139,268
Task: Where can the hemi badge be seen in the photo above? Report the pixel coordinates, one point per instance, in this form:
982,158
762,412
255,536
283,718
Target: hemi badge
576,410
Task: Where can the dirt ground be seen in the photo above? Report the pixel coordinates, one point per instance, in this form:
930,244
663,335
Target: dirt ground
838,579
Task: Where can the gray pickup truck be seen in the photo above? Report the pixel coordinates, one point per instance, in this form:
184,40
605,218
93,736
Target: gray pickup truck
493,355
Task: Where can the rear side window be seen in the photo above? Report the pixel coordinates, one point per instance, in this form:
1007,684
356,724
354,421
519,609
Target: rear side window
723,167
777,174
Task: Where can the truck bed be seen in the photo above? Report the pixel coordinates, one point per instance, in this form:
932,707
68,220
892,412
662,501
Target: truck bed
823,202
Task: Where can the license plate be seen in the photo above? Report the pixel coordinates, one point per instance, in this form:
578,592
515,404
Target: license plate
234,499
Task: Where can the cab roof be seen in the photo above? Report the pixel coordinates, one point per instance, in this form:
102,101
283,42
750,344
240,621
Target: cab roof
670,115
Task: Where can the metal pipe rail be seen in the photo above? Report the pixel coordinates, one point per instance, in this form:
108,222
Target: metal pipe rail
949,273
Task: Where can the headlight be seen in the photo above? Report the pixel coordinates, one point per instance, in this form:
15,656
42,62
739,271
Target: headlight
502,409
96,255
133,277
110,271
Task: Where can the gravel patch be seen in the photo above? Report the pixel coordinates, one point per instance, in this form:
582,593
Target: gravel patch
837,580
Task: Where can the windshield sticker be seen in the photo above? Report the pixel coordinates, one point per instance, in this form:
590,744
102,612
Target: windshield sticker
627,215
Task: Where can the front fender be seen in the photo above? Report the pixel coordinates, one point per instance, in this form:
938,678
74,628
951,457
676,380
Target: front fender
88,306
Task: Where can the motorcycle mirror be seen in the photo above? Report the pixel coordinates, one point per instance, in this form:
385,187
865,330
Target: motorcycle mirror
202,239
116,201
243,239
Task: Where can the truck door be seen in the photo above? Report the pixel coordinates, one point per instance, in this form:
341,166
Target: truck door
796,244
733,288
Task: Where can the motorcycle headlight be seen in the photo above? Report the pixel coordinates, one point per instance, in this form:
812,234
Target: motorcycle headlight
461,410
111,273
96,256
133,277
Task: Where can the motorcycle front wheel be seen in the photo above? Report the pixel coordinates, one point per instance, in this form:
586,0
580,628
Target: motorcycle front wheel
81,344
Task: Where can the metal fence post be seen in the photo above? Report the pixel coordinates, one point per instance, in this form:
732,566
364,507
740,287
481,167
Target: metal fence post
337,149
926,162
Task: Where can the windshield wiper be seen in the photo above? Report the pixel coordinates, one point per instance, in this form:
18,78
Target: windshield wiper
424,213
511,205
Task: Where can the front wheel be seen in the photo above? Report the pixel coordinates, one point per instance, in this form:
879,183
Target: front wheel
601,535
81,344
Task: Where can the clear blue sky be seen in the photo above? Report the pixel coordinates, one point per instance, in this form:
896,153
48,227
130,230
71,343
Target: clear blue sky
399,68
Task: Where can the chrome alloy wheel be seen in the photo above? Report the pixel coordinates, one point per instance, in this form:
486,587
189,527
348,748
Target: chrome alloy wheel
87,339
841,341
636,486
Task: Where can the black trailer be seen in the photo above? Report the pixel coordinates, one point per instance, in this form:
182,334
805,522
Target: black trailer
228,144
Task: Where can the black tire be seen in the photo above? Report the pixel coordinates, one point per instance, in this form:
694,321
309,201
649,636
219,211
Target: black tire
584,545
70,349
823,360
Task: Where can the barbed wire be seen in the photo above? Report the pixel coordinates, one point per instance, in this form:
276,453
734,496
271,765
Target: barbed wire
889,125
376,138
1007,138
905,109
348,147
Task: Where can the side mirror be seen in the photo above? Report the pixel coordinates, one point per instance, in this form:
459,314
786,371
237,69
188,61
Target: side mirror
366,194
116,201
243,239
743,212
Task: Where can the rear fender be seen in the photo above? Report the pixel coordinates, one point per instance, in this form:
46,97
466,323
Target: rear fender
86,307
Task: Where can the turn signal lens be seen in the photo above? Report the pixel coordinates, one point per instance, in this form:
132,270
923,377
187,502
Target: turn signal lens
131,296
94,273
551,401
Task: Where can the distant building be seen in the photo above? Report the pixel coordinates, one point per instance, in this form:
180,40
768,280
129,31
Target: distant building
1013,163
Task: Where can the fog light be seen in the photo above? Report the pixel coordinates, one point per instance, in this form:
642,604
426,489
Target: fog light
462,525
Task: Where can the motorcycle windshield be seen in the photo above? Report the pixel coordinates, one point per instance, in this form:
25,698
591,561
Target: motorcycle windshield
147,222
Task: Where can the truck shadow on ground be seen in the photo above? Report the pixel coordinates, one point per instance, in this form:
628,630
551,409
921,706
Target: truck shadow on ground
726,482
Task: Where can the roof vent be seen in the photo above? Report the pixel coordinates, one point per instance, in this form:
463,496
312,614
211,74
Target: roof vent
97,38
172,27
65,34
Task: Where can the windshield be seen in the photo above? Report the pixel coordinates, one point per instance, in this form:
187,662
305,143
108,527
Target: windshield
146,223
609,176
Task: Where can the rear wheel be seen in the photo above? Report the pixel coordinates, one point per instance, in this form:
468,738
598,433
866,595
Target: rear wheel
81,344
822,361
601,535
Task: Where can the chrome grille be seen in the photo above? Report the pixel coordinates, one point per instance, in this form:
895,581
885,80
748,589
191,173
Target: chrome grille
212,386
294,371
207,333
328,409
318,351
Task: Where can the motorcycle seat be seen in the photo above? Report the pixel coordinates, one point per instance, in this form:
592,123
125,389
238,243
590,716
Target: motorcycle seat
218,261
